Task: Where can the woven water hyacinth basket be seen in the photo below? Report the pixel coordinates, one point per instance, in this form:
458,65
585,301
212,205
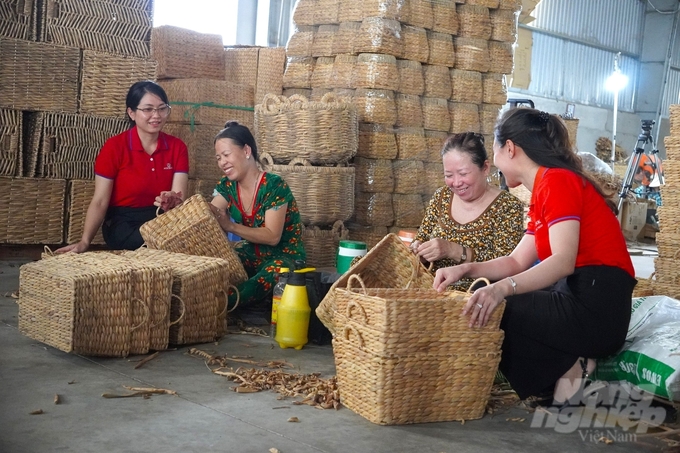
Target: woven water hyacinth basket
324,132
418,13
441,49
326,11
322,77
10,142
668,242
32,210
375,106
200,285
377,35
434,177
376,71
343,71
501,59
387,9
416,46
377,141
434,142
301,42
191,228
409,110
408,177
373,209
488,115
80,193
491,4
466,86
321,245
411,143
201,186
522,193
672,144
671,172
323,194
374,175
503,25
464,117
350,11
436,115
304,92
513,5
319,93
437,81
344,38
388,264
411,80
494,89
298,72
472,54
674,116
186,54
368,234
408,209
475,21
323,40
105,79
303,14
445,17
18,20
200,144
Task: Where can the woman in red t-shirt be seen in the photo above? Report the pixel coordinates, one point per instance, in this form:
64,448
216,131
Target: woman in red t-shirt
135,172
574,305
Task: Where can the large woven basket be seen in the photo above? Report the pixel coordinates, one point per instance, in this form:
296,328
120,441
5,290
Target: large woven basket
475,21
324,132
322,77
445,17
200,141
200,285
672,144
375,106
466,86
377,141
441,49
415,44
186,54
418,13
437,81
494,89
10,142
409,176
301,42
434,142
373,209
321,245
409,209
472,54
503,25
18,20
378,35
464,117
411,80
192,229
323,194
80,193
674,116
436,114
411,143
323,40
369,234
374,175
389,264
501,57
375,71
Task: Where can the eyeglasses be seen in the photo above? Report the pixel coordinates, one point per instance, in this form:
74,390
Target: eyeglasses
162,111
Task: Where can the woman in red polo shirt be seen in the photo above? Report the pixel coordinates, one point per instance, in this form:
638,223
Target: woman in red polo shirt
134,172
574,305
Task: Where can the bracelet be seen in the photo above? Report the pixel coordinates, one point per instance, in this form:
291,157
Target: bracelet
514,286
463,256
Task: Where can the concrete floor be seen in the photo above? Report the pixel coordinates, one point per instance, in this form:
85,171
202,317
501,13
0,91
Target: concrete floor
207,417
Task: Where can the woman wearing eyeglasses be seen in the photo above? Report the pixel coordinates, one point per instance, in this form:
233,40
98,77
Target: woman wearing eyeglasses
468,219
135,172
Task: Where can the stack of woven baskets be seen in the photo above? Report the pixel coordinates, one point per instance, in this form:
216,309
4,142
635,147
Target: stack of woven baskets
667,265
416,70
309,144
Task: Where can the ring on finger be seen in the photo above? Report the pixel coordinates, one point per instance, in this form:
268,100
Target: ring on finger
480,306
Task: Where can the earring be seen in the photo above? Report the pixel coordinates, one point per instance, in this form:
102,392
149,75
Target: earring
248,156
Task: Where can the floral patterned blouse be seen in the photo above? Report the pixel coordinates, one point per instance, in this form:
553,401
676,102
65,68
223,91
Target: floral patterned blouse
271,192
493,234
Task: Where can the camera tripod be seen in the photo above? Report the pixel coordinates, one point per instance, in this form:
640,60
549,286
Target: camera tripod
644,138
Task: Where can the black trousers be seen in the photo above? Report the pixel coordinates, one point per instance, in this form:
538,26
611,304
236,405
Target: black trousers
121,226
584,315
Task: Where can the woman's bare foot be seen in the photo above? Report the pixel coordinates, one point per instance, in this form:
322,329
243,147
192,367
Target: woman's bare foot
572,381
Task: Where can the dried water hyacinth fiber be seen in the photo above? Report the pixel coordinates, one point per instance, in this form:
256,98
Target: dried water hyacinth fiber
377,35
671,174
434,142
416,46
672,144
411,144
411,80
301,42
375,106
488,115
417,13
376,71
466,86
464,117
186,54
323,40
343,71
303,14
441,49
377,141
409,111
322,77
326,11
387,9
321,245
674,115
436,114
437,81
369,234
409,176
503,25
501,59
298,73
350,11
373,175
408,209
475,21
472,54
434,177
494,89
373,209
445,17
344,38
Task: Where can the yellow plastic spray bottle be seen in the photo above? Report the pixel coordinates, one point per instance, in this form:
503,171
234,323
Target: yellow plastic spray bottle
293,313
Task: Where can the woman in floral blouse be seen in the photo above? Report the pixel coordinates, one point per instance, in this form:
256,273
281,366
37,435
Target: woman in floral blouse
264,213
468,219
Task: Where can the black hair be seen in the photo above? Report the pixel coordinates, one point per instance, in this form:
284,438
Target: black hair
137,92
240,135
471,143
545,140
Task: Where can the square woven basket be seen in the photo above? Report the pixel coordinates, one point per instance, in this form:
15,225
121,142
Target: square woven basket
80,193
186,54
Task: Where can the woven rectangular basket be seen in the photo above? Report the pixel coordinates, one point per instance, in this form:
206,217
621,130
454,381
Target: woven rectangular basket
18,19
321,246
10,142
200,284
186,54
79,196
200,144
192,229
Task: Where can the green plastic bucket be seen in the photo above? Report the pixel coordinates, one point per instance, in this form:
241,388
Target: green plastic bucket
347,251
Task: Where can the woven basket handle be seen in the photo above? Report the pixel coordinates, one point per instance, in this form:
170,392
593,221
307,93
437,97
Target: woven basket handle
482,279
162,318
339,230
346,331
352,304
47,251
298,161
267,160
416,262
146,314
330,97
361,282
238,298
271,103
184,310
296,102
